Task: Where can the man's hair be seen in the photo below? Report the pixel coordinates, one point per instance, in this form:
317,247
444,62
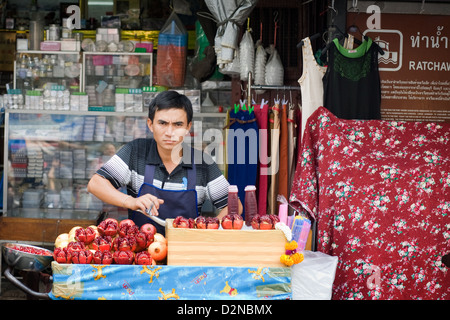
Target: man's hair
168,100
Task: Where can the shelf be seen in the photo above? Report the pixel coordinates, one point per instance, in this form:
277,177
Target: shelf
107,113
108,53
47,52
79,113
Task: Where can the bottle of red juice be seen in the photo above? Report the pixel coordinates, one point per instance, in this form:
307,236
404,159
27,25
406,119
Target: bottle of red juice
250,204
233,199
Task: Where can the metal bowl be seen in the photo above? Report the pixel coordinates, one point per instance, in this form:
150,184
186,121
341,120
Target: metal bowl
24,260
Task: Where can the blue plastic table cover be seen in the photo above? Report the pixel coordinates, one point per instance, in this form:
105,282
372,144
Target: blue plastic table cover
162,282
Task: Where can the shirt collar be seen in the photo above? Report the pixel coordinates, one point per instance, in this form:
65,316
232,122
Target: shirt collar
153,157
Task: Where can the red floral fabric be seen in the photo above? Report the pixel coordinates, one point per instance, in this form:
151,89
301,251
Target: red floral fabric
380,192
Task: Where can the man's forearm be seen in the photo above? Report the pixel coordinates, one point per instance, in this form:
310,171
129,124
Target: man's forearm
105,191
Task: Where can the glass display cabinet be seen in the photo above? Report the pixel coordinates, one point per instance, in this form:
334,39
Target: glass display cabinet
106,72
35,69
50,157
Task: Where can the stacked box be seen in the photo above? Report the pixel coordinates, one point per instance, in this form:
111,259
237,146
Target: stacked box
120,99
79,101
66,164
35,166
129,100
77,129
130,126
19,160
141,129
92,96
100,128
56,97
13,99
88,128
79,164
108,35
119,131
34,100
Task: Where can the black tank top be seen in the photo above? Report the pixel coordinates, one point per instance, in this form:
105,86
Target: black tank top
352,82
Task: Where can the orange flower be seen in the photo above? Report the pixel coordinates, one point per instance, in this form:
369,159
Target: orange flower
291,245
286,260
297,257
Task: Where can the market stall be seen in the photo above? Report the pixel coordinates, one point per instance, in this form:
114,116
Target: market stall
370,195
83,275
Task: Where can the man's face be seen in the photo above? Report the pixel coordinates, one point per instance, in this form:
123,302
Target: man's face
169,127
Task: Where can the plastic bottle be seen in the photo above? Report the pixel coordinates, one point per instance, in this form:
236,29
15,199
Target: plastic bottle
300,231
282,213
233,199
251,207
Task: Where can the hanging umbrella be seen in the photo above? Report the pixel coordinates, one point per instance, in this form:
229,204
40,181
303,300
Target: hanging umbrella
229,16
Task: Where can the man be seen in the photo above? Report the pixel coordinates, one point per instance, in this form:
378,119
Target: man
161,179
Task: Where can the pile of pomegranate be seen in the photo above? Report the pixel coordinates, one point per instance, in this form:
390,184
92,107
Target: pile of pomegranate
111,242
32,250
265,221
230,221
200,222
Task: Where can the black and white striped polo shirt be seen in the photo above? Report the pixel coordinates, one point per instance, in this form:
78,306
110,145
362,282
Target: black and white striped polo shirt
127,169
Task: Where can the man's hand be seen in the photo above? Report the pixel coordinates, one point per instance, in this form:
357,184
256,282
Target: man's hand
146,203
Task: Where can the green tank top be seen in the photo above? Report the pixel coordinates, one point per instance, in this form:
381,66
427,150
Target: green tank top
352,83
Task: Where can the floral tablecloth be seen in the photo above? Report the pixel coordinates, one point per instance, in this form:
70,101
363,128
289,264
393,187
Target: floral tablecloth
380,192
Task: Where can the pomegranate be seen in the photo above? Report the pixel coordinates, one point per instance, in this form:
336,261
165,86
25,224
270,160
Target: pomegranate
255,222
85,235
62,240
158,250
62,255
200,222
143,258
160,238
103,257
108,227
143,240
127,243
180,222
82,256
212,223
126,221
148,228
127,229
75,246
275,219
264,222
95,230
72,233
102,243
32,250
123,257
232,221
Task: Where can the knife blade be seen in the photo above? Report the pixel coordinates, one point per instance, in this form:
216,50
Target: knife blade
159,221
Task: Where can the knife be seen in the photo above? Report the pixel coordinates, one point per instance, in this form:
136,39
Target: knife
159,221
